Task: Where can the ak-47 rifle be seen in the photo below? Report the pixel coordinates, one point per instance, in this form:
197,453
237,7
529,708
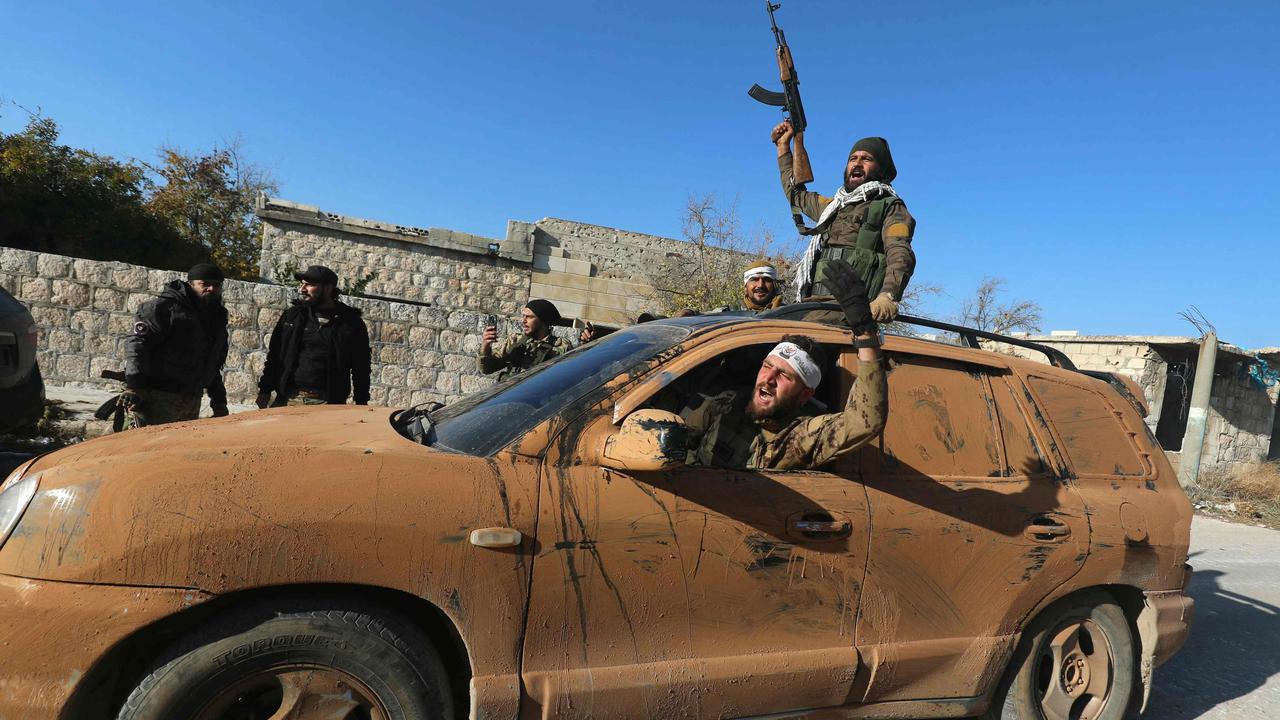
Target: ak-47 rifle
788,100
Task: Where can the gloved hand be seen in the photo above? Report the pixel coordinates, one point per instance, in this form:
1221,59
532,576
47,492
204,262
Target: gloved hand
851,293
884,308
220,410
129,399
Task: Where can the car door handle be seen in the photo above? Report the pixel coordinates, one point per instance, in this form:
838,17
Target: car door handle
822,526
815,525
1047,528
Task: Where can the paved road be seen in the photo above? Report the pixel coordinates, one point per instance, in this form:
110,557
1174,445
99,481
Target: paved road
1230,666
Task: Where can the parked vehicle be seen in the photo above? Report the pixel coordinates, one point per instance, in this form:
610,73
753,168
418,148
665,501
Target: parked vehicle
1015,544
21,386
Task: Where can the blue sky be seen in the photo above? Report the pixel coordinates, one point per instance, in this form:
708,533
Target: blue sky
1115,162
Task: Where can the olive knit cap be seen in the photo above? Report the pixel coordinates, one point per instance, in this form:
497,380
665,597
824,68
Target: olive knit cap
545,311
879,149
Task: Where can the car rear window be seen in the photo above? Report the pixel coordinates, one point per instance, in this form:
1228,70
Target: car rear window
1090,431
941,421
8,303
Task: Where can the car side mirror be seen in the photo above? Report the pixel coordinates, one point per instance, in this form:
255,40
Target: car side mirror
647,440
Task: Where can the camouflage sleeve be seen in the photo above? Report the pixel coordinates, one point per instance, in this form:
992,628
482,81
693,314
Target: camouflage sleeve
499,355
824,438
899,259
701,414
810,203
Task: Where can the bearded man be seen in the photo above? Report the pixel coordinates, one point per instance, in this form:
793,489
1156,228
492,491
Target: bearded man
769,426
176,352
865,225
319,350
760,289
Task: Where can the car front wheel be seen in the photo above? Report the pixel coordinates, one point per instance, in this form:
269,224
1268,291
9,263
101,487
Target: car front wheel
313,664
1075,662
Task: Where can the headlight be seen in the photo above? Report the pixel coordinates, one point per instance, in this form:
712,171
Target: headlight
13,502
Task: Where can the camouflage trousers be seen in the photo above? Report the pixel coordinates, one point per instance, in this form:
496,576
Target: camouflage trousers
303,397
157,407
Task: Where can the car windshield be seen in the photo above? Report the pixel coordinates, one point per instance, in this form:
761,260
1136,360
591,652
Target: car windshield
485,422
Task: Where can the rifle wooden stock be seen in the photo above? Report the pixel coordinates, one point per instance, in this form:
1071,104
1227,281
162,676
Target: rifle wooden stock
800,162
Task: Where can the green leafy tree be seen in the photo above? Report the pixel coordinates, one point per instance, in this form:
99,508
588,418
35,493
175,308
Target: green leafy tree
209,199
59,199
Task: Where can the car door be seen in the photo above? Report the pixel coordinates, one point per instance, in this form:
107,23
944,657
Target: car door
691,592
971,527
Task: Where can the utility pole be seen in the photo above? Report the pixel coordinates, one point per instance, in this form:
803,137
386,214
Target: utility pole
1198,415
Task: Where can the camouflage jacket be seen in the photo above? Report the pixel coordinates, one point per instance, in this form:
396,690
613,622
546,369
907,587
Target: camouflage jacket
895,234
726,437
518,353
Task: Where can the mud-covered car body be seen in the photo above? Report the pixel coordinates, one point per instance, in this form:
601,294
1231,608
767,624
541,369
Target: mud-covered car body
894,583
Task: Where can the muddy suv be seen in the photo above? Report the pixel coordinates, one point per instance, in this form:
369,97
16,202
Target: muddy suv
1014,544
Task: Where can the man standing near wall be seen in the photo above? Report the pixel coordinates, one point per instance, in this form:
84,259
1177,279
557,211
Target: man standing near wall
866,225
319,350
176,351
536,344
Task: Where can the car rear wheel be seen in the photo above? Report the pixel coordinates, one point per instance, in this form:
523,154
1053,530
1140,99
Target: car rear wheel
307,665
1075,662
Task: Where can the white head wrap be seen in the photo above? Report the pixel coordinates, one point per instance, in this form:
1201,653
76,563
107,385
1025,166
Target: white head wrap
800,361
765,270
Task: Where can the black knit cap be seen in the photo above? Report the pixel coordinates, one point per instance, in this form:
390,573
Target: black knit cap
317,274
208,272
879,149
545,311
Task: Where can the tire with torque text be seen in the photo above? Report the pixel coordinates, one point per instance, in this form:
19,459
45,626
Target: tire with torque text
1076,661
308,664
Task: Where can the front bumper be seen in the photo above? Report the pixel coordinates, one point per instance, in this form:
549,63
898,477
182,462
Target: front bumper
53,633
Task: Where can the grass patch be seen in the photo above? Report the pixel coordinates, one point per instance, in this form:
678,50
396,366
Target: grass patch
1248,492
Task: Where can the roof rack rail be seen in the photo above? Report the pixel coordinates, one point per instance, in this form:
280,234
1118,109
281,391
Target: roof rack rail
968,336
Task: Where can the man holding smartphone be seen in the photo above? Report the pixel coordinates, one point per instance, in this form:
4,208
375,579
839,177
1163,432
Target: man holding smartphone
517,353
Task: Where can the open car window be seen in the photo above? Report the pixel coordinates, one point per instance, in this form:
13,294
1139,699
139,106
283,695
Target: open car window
734,370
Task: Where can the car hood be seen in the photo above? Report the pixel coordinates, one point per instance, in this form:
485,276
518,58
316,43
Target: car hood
295,494
294,427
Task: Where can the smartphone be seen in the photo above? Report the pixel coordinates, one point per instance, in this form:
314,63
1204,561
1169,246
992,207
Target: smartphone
491,321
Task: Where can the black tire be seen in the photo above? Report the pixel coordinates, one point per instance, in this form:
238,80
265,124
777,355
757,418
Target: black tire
377,661
1040,681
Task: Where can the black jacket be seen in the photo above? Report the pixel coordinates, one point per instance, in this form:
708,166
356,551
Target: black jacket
177,348
348,354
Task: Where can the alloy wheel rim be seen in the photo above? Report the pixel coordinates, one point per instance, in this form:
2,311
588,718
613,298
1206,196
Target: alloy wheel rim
296,692
1074,672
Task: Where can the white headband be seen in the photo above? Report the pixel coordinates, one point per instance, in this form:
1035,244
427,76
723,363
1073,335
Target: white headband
799,361
765,270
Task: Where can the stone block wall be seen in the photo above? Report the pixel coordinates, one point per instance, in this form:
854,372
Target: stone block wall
84,309
592,272
416,272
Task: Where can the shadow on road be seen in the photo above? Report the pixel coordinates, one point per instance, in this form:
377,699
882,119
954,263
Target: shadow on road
1232,651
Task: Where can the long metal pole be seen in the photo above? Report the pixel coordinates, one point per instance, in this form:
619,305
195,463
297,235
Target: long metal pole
1198,415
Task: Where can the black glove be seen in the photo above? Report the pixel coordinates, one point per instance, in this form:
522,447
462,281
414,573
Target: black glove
851,293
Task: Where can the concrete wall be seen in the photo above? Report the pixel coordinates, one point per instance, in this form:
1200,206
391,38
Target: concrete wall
84,309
